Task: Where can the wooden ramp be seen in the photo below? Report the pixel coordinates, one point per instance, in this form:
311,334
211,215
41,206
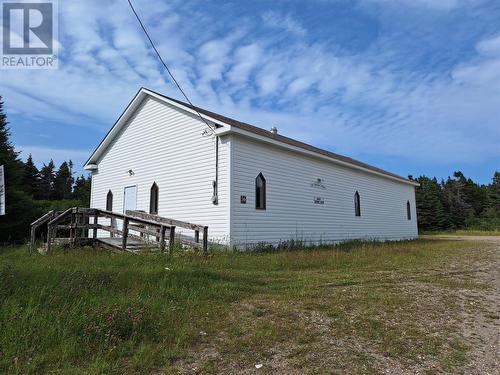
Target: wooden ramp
133,245
138,231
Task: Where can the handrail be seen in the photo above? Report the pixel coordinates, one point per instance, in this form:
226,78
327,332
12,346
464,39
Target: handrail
42,219
60,216
36,224
129,217
163,220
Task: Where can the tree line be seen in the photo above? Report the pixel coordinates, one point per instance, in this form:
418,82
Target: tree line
31,192
51,185
458,203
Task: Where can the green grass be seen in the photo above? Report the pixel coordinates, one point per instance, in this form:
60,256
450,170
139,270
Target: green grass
89,311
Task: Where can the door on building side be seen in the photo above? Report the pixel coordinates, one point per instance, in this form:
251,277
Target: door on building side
130,198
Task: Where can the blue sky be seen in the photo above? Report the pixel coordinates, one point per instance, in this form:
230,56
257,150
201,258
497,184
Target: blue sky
412,86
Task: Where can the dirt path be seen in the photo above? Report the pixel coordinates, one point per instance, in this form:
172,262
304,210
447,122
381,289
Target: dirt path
481,324
481,309
452,237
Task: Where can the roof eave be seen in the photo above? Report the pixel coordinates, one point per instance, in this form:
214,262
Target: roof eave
90,167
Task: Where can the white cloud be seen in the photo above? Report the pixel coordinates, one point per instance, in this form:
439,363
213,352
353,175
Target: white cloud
489,47
284,22
246,58
269,78
214,56
431,4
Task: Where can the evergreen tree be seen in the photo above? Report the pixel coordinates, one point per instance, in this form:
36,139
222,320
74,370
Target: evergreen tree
81,190
494,190
455,199
8,156
63,182
31,177
430,210
476,196
47,177
19,206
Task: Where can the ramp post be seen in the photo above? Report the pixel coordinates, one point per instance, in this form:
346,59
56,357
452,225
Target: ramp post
163,229
96,219
205,240
171,240
125,233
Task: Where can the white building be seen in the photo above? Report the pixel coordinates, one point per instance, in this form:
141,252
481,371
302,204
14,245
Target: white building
249,185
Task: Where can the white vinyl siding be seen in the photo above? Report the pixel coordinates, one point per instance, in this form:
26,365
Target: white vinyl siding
163,144
291,212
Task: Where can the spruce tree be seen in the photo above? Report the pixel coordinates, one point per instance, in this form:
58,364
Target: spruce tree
460,210
81,190
19,207
46,185
430,211
476,196
63,182
494,190
31,177
9,158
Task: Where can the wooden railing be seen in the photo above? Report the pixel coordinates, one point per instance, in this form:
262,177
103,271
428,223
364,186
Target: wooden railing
179,224
77,221
136,224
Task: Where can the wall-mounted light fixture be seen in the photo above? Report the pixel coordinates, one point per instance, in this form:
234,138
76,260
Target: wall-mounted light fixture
130,172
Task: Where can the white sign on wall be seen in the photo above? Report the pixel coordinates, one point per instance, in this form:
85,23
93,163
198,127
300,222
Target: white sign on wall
2,191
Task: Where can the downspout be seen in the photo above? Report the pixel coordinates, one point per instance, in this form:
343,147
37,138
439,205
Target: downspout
215,183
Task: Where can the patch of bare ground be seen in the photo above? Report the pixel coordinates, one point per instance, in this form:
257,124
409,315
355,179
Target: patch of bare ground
481,318
444,319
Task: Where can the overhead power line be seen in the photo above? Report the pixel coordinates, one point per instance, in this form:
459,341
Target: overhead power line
166,66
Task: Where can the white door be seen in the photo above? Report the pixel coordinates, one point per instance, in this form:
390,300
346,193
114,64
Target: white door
130,198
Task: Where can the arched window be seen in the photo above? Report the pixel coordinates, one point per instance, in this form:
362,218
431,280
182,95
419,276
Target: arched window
153,199
260,192
408,210
109,201
357,204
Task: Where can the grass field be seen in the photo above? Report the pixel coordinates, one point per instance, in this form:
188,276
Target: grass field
355,308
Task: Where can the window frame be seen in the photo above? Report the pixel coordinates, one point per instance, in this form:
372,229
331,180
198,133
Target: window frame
408,210
154,202
263,201
357,204
109,204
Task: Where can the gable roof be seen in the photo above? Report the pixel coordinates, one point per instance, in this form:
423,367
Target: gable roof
259,132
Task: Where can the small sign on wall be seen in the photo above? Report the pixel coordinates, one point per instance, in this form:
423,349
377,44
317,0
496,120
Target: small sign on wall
319,183
318,200
243,199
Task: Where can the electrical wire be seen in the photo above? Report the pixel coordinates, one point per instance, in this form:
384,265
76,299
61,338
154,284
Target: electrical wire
166,66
